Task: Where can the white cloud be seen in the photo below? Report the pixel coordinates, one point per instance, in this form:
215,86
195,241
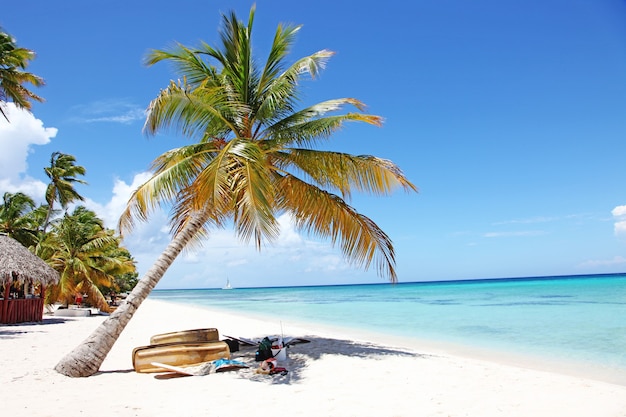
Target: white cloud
620,228
616,261
147,239
619,213
514,234
112,111
532,220
237,262
27,185
17,138
111,211
222,254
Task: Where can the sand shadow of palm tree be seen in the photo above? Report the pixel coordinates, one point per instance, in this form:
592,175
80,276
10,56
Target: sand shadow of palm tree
297,359
300,355
12,331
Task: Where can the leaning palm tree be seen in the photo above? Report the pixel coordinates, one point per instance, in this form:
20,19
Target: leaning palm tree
13,62
62,173
255,158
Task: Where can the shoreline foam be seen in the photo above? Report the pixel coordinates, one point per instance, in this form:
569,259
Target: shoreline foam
537,362
333,375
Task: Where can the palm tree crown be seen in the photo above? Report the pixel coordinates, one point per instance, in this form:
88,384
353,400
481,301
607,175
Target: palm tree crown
255,155
62,173
13,62
16,219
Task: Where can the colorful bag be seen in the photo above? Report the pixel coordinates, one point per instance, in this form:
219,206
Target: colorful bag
265,350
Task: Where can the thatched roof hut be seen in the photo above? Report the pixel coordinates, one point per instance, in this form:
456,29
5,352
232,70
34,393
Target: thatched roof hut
18,264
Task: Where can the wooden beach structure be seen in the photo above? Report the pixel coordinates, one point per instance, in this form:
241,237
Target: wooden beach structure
20,273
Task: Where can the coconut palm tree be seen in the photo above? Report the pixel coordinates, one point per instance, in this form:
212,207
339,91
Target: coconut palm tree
87,257
62,173
254,159
16,218
13,62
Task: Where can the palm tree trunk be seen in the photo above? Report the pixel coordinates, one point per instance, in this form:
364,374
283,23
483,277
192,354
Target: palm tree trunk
46,222
86,358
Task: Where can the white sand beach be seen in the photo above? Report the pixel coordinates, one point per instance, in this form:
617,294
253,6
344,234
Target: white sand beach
331,376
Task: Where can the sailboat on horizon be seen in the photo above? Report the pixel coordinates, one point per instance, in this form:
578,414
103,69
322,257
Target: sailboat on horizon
227,286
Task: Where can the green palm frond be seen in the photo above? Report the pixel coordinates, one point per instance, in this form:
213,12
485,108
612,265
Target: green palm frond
18,218
316,111
200,112
326,215
311,124
237,56
345,172
308,133
173,171
11,87
180,176
185,61
279,95
254,194
210,193
13,62
283,40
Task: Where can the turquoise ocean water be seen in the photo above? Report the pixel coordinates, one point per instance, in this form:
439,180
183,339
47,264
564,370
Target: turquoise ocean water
578,319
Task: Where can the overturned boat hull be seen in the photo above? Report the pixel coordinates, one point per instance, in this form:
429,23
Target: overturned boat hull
186,336
178,354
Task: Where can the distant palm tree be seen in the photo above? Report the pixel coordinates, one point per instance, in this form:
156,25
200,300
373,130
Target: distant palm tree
62,173
255,158
87,257
13,62
16,219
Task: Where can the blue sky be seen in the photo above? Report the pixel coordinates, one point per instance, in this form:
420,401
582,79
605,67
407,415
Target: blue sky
509,115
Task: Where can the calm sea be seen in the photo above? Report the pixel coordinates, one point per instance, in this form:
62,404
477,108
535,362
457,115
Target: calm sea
580,319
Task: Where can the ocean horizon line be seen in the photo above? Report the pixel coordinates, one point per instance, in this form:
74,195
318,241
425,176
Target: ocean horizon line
433,282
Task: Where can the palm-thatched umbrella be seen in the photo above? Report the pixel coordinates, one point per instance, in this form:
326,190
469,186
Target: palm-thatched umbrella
18,264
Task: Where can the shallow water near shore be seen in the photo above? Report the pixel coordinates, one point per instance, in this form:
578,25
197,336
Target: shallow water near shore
577,319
